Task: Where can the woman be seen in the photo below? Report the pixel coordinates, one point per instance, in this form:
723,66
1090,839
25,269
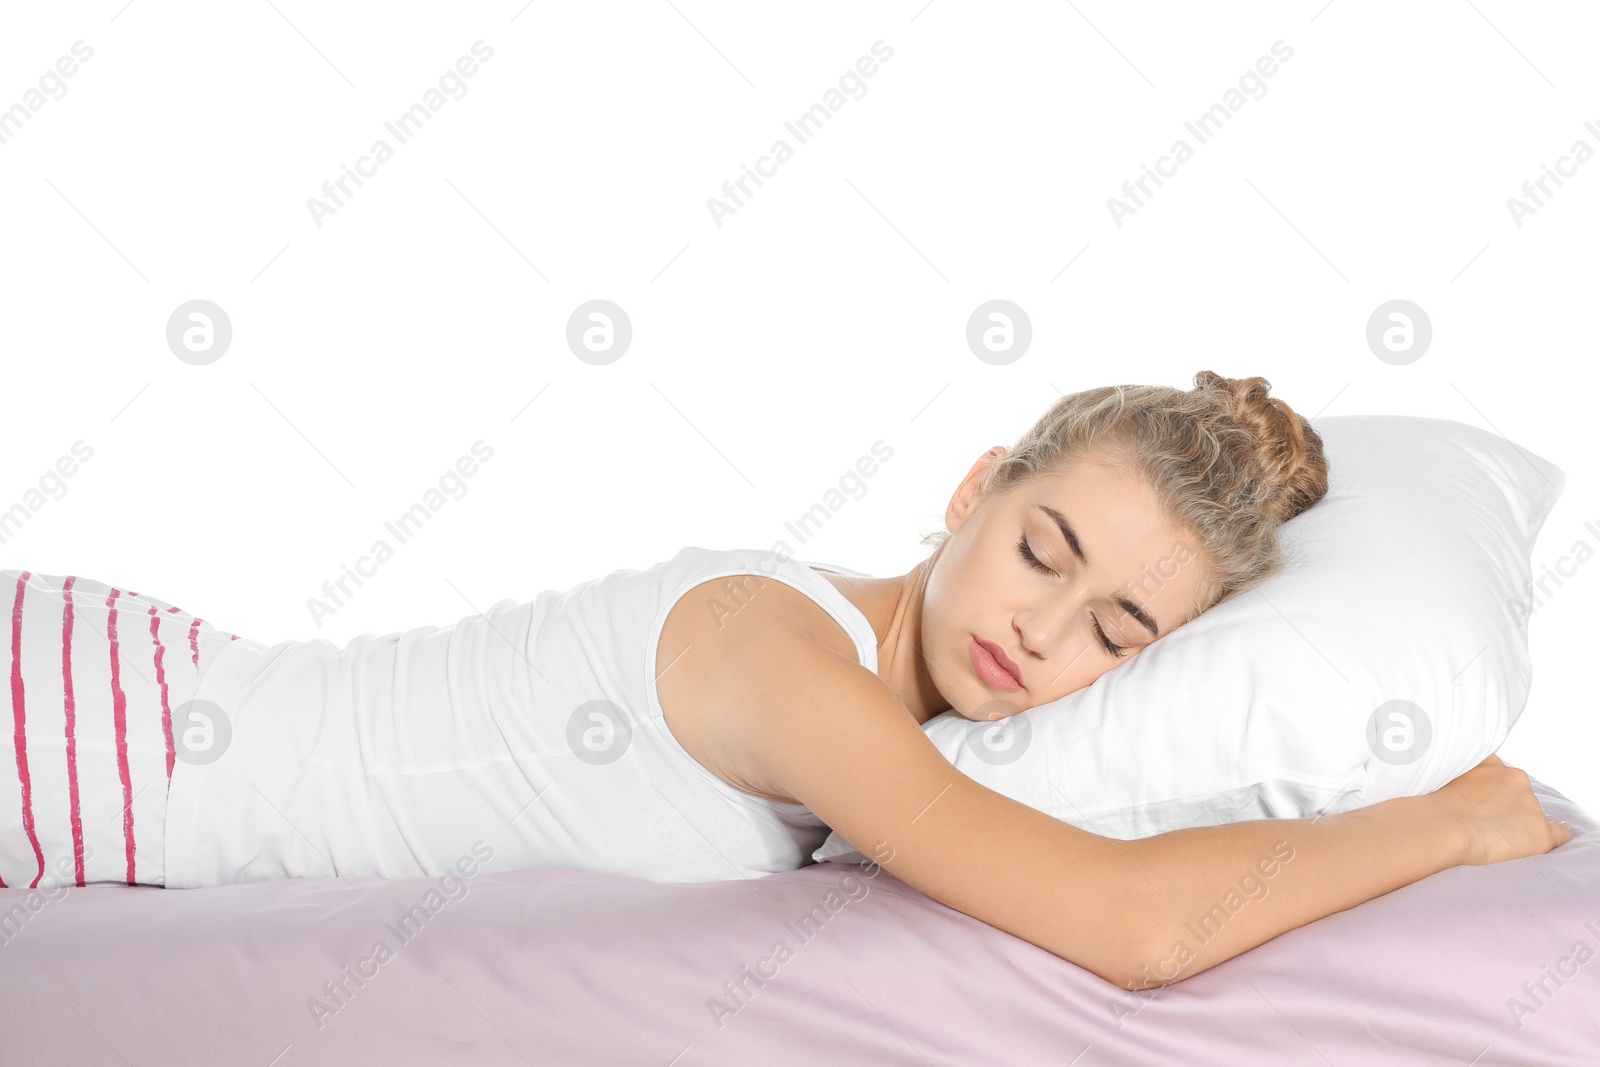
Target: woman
712,716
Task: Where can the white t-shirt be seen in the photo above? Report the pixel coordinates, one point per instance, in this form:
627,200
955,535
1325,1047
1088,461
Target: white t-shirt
534,728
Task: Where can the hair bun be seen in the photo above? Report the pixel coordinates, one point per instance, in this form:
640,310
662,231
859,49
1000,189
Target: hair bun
1291,449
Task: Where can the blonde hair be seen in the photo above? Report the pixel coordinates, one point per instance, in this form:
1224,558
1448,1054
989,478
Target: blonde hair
1224,461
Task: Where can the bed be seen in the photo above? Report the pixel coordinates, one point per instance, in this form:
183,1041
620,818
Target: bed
1491,966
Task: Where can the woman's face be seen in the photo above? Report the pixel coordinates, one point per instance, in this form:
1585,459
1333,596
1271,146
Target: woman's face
1044,617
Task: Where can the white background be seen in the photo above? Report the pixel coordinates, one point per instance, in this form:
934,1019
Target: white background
770,353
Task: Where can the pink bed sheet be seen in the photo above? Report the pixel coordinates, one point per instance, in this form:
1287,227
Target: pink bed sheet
1488,966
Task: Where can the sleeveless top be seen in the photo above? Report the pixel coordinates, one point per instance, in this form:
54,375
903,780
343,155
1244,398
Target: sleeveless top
532,731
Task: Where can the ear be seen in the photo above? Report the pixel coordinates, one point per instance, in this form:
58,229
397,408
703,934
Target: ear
970,493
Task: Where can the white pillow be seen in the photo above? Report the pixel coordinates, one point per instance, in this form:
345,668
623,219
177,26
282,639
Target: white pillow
1388,658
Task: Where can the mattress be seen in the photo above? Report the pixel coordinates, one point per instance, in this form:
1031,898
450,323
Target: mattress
1491,966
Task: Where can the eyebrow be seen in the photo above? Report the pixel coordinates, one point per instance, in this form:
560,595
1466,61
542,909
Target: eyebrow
1073,543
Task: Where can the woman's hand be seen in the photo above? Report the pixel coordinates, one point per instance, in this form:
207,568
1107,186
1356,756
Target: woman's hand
1497,806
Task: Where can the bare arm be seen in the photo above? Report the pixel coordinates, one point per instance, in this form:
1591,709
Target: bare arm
814,725
1217,891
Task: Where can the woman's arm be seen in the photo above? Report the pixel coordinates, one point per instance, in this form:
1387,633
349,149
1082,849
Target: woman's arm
1220,890
814,725
1217,891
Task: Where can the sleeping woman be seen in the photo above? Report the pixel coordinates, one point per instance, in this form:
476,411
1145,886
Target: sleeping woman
712,716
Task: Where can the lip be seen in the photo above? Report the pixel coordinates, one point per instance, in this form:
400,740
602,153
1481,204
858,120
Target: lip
994,666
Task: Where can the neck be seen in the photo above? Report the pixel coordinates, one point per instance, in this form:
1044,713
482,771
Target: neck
894,607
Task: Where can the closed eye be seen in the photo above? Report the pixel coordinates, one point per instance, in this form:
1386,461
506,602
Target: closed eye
1033,561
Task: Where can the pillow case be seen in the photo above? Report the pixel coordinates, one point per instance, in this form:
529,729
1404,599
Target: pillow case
1389,657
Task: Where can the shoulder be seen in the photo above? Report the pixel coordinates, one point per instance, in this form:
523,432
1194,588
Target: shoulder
718,606
727,636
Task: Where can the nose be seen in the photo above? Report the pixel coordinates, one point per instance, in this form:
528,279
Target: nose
1045,628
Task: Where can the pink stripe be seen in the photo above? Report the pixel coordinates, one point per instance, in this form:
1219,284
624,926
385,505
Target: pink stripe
120,707
161,680
71,707
19,733
194,629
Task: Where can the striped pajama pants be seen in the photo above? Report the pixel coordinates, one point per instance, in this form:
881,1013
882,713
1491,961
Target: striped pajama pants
92,674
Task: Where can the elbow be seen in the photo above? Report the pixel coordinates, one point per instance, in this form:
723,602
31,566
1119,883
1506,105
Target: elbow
1134,968
1140,963
1144,970
1151,956
1126,955
1123,968
1149,966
